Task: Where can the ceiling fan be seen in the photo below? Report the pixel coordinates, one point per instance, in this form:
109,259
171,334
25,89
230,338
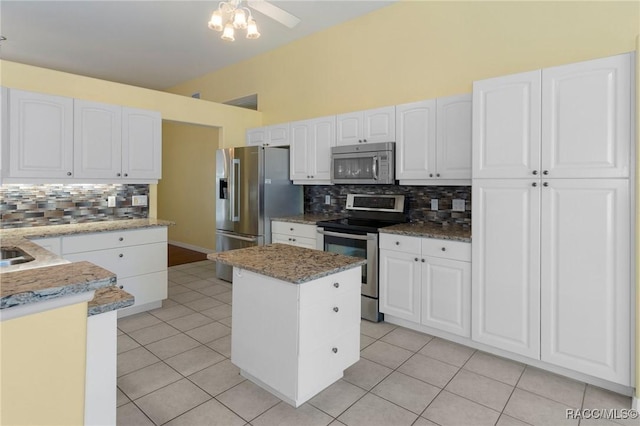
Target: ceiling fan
231,15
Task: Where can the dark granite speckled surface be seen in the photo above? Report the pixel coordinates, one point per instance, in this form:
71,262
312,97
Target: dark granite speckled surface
109,299
293,264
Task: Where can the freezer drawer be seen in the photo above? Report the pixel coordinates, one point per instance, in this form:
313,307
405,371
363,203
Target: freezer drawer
226,241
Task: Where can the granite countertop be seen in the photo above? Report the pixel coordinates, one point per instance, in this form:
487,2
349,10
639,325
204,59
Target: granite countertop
293,264
431,230
108,299
309,219
50,276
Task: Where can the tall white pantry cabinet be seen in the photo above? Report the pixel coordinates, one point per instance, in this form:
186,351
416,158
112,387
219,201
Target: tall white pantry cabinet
552,221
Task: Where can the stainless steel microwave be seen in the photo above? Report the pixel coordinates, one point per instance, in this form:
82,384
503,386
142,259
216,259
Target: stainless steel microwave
370,163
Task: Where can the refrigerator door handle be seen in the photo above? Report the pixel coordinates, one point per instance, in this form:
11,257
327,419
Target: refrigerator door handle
235,190
238,237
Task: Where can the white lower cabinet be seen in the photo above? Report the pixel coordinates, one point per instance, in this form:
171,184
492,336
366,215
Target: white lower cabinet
100,380
426,281
295,234
138,258
318,331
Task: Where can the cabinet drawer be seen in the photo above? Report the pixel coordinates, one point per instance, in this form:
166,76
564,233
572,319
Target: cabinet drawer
297,229
146,288
400,243
108,240
127,261
328,287
447,249
321,322
294,240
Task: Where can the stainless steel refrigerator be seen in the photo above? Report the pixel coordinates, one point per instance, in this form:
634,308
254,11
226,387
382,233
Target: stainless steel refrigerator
252,185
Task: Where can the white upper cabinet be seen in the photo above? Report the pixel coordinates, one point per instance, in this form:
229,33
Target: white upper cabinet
506,265
585,279
433,146
369,126
274,135
416,141
40,135
97,140
141,144
586,118
454,137
310,155
506,126
570,121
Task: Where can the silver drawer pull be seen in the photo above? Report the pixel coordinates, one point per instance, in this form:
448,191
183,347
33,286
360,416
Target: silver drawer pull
121,239
397,243
121,255
121,286
334,350
444,249
336,285
335,309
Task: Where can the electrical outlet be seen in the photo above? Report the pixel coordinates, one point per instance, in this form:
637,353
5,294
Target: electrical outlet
139,200
458,205
327,199
111,201
434,204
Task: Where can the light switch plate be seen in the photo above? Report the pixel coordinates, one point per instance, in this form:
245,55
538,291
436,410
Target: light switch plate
434,204
458,205
111,201
327,199
139,200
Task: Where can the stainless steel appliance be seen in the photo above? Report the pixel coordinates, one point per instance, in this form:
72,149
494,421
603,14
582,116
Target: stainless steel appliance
357,235
252,186
370,163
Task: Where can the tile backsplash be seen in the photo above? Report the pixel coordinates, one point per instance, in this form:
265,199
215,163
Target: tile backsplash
38,205
419,198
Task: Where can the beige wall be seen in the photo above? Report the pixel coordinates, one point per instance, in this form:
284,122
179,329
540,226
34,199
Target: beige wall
186,193
42,365
416,50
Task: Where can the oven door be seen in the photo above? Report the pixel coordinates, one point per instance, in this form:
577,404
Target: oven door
357,245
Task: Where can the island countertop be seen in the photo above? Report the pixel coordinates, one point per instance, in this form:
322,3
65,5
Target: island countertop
293,264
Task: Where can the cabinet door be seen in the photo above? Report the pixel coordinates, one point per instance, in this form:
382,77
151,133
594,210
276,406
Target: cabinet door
141,144
400,284
349,128
256,137
40,135
379,125
278,135
585,285
97,140
324,136
506,265
506,126
4,131
454,137
415,145
300,150
446,295
586,118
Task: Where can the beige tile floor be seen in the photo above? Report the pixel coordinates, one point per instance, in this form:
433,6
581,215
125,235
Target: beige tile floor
174,369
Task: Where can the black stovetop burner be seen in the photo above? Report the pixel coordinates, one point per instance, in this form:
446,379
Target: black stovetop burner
355,224
368,213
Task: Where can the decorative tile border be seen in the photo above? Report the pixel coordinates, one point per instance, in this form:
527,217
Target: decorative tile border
419,200
38,205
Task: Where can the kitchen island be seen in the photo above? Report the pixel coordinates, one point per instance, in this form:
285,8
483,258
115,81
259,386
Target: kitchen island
296,317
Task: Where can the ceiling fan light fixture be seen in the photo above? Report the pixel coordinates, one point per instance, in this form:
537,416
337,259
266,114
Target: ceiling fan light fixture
252,29
216,21
239,19
227,34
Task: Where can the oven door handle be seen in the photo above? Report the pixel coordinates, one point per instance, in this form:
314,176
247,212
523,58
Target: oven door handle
348,236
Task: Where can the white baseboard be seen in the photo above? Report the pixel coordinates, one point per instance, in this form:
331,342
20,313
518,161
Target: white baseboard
191,247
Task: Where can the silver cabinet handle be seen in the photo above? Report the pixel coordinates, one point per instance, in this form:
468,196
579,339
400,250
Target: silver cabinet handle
545,172
422,260
238,237
545,184
335,309
416,259
118,174
430,174
121,239
121,286
121,255
535,172
334,350
437,174
126,174
534,184
336,285
444,249
68,173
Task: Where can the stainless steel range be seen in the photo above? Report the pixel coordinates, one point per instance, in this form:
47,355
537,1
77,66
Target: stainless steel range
357,235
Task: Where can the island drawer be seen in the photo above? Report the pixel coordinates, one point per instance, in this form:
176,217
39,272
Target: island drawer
294,229
400,243
328,287
108,240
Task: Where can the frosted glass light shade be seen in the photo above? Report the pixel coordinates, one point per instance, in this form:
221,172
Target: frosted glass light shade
252,29
239,19
216,21
227,34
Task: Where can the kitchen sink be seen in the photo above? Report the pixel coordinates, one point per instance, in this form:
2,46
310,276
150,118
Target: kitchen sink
12,256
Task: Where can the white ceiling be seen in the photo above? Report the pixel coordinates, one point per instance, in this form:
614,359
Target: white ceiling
149,43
